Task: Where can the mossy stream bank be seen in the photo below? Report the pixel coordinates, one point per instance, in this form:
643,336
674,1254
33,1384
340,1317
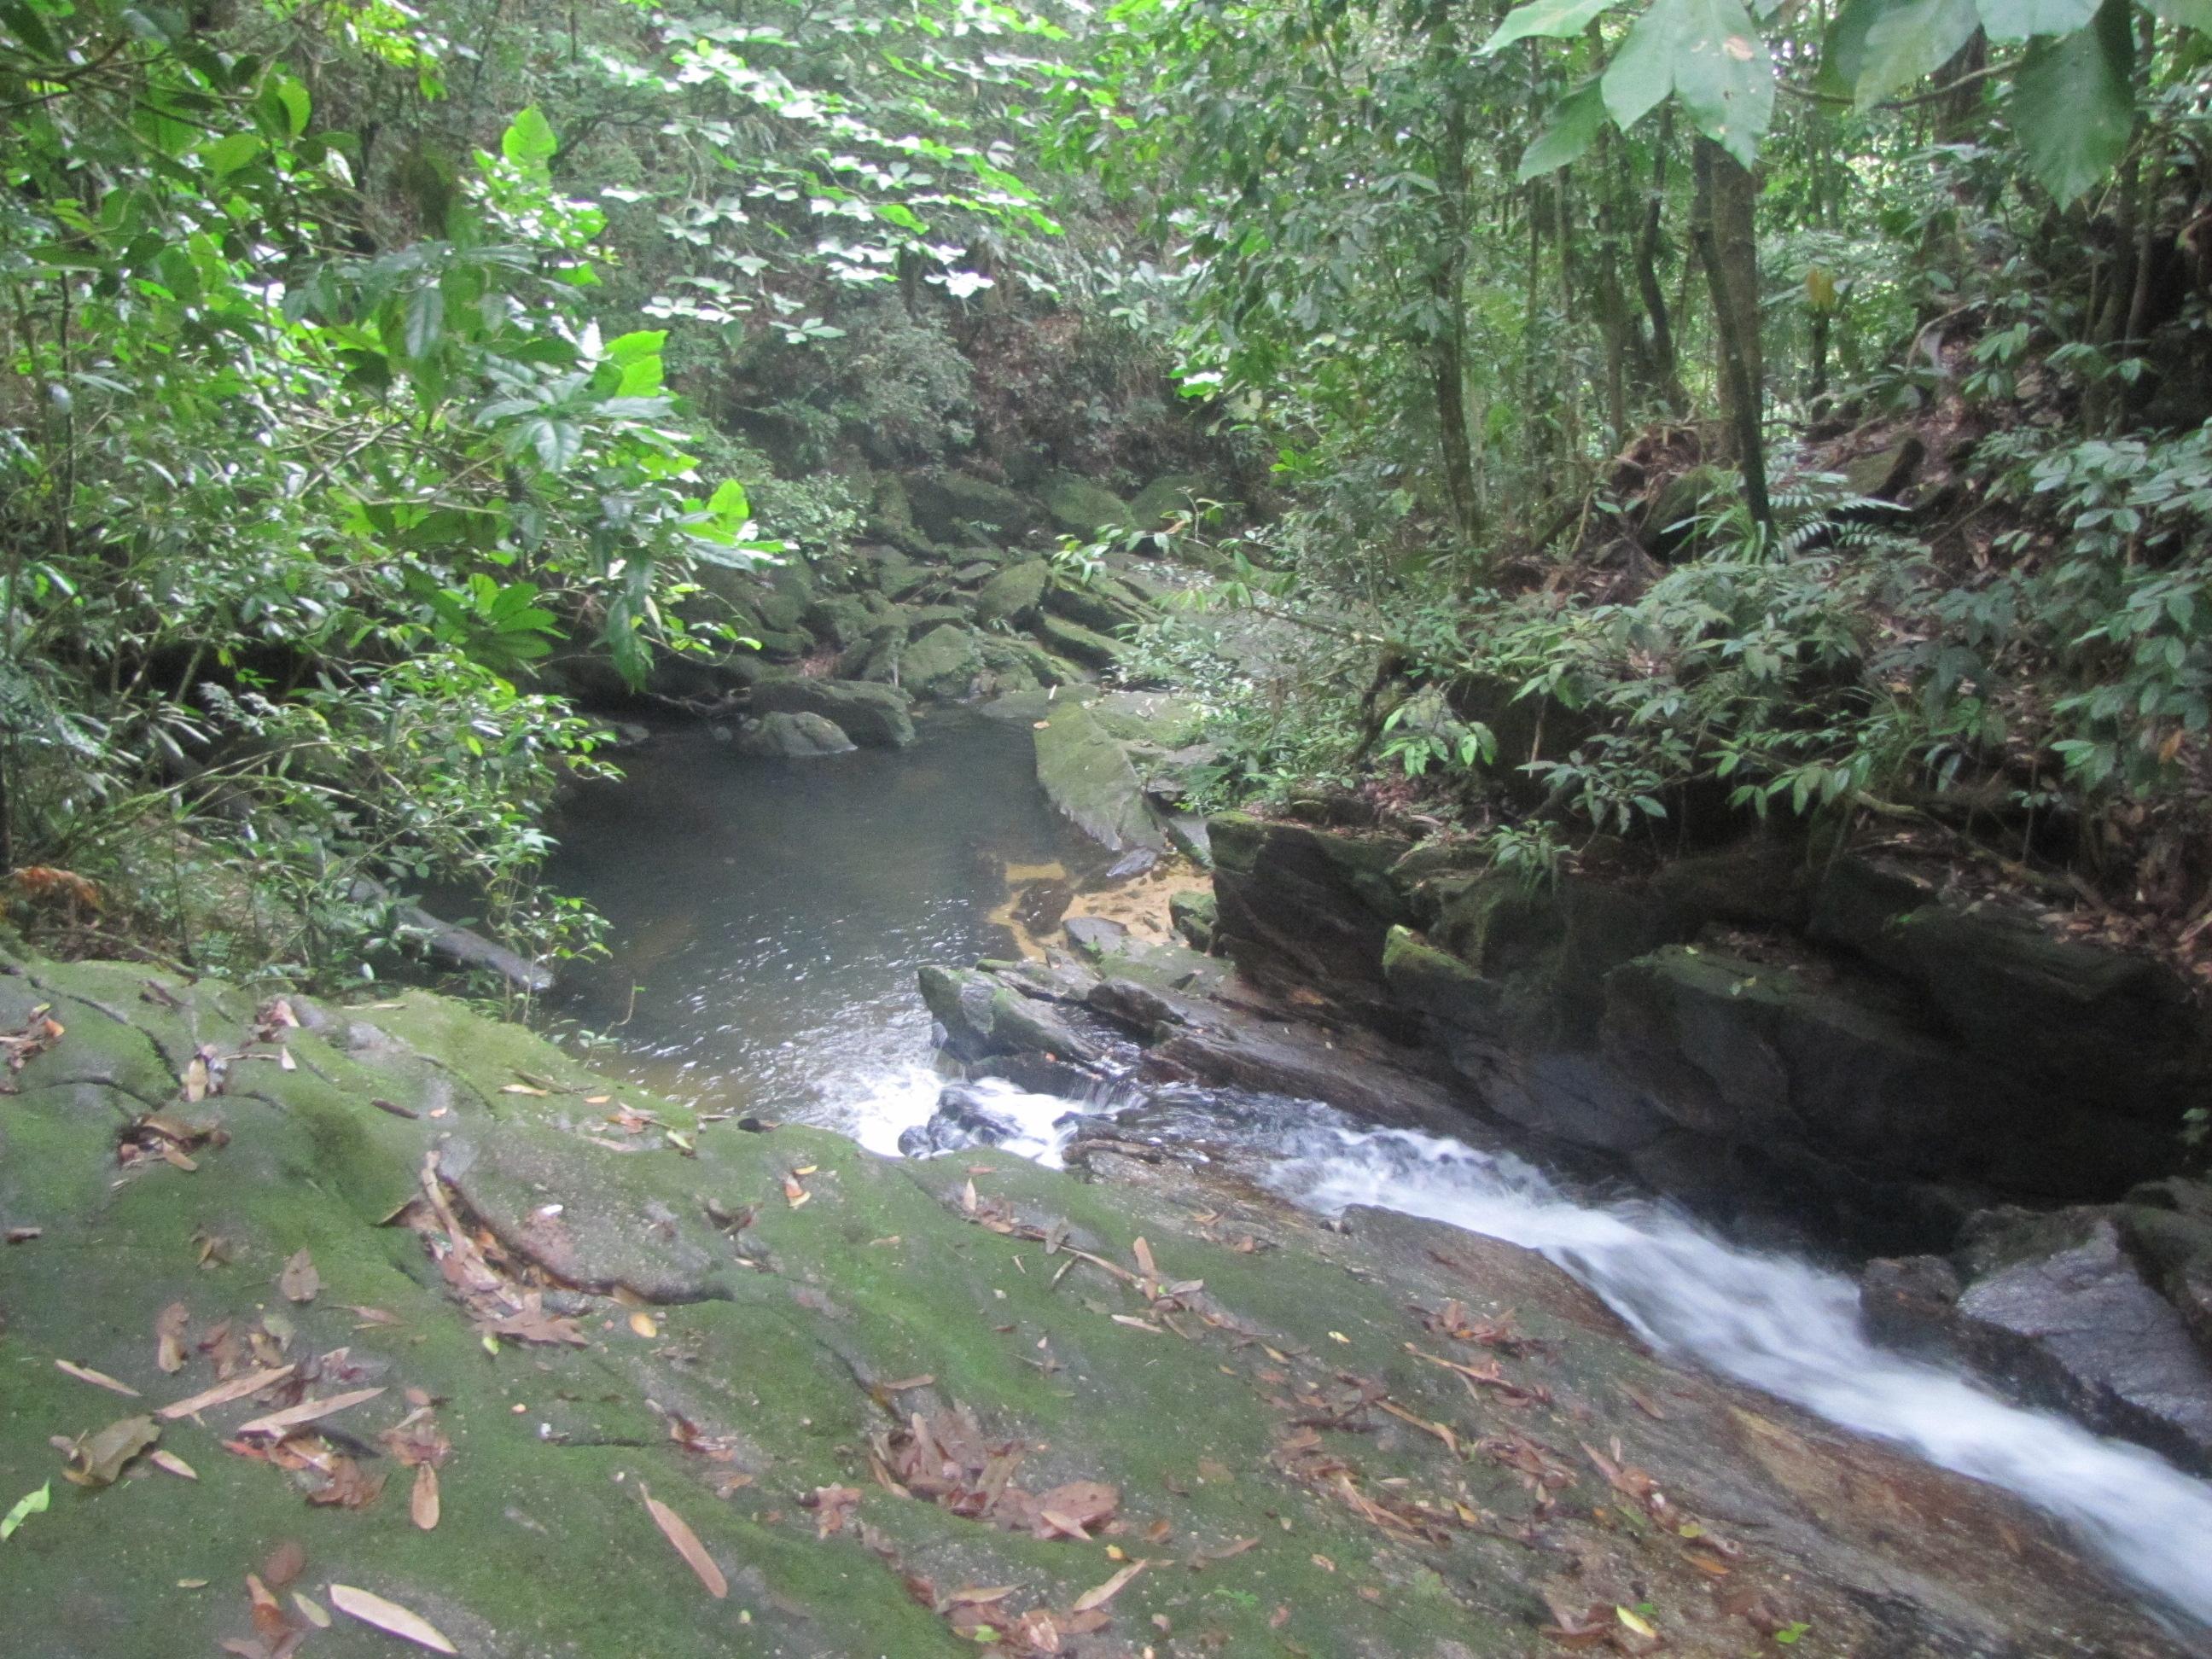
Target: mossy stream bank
905,1408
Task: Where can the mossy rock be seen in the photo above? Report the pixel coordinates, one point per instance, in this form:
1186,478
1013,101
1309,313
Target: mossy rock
1013,595
1087,776
1093,605
793,737
1168,497
1077,643
942,663
1083,508
956,506
871,715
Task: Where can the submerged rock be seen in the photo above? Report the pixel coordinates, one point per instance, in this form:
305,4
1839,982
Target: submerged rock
871,715
801,736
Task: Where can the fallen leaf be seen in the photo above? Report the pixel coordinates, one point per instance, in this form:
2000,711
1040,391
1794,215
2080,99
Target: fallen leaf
300,1281
978,1597
1101,1594
21,1235
97,1459
349,1486
1636,1622
174,1464
311,1610
678,1532
98,1379
285,1563
169,1327
522,1089
422,1504
641,1323
279,1424
390,1618
793,1194
223,1393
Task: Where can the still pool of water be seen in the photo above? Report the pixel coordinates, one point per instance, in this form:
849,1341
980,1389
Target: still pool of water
766,917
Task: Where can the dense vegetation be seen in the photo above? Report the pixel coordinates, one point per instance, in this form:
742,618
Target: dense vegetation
1644,422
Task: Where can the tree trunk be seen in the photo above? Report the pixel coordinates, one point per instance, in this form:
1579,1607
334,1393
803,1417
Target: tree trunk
1448,351
1726,230
1666,375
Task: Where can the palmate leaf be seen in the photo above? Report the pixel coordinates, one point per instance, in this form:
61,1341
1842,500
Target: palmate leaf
2072,107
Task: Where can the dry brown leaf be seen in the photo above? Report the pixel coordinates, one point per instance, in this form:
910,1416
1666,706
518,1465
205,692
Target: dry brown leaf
223,1393
678,1532
97,1459
279,1424
422,1504
311,1610
174,1464
1101,1594
300,1281
285,1563
169,1327
390,1618
98,1379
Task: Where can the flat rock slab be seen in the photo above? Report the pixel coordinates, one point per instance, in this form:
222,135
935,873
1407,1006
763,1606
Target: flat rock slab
1087,776
755,1327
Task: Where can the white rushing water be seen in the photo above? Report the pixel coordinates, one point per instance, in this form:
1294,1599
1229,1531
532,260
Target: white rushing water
1771,1320
1788,1328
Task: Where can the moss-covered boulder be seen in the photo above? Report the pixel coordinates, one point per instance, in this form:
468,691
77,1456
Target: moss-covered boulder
874,716
942,663
801,736
1078,643
961,507
1082,507
1169,497
1087,776
1013,595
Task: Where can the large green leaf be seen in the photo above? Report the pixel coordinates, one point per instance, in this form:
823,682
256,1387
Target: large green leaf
1552,19
2072,104
1569,129
2017,20
529,141
1725,77
1642,72
1907,40
1709,53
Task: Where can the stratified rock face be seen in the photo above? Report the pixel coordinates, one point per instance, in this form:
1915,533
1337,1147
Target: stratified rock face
871,715
793,736
2084,1311
1300,906
1885,1065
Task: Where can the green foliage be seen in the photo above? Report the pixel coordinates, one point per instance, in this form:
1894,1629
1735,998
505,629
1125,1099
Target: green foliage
284,521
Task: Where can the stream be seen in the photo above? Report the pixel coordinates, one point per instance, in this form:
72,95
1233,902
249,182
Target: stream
767,921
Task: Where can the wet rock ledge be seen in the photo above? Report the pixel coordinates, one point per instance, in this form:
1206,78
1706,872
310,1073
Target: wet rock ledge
878,1407
1838,1053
